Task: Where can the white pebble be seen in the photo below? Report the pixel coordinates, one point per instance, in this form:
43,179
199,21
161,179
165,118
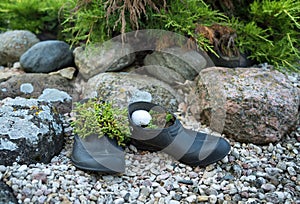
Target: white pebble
119,201
157,195
42,199
191,198
213,199
291,171
162,190
47,171
23,167
141,117
55,184
2,168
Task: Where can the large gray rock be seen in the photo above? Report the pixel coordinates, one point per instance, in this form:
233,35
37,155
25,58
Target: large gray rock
14,43
247,104
162,73
176,64
60,99
31,131
47,56
124,88
32,85
54,88
110,56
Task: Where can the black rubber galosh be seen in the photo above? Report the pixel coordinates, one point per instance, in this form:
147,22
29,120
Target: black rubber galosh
94,153
188,146
98,154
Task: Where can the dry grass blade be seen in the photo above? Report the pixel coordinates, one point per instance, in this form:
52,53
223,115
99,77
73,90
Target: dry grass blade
134,7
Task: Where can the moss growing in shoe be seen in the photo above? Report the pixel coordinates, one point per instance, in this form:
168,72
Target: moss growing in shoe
95,116
160,119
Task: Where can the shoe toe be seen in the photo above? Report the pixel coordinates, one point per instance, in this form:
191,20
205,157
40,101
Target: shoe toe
206,149
105,160
219,152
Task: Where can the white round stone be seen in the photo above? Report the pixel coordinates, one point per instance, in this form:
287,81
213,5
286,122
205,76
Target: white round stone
141,117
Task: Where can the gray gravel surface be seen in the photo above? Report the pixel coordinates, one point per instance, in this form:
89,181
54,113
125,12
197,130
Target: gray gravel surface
249,174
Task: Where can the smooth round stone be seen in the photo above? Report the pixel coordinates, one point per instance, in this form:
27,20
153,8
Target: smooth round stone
141,117
119,201
191,198
2,168
291,171
268,187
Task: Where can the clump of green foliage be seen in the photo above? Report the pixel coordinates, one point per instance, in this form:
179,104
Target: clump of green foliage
160,119
95,116
273,33
85,21
33,15
183,17
267,29
97,20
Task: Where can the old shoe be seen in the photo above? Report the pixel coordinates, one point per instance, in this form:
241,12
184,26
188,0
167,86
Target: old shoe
188,146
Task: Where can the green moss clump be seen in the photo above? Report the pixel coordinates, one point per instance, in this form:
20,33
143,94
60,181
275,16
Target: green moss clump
160,119
98,117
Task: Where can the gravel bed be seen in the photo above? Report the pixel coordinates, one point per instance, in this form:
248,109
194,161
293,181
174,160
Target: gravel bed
249,174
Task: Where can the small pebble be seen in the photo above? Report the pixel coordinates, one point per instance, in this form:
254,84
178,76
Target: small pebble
119,201
268,187
291,171
191,198
2,168
174,202
141,117
187,182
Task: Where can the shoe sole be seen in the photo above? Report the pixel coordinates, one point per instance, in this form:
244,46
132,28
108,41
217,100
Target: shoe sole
146,147
100,169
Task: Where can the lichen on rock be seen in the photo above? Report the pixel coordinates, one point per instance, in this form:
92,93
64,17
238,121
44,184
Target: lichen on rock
30,131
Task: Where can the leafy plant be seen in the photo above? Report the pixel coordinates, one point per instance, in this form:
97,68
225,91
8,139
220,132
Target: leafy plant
98,117
33,15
